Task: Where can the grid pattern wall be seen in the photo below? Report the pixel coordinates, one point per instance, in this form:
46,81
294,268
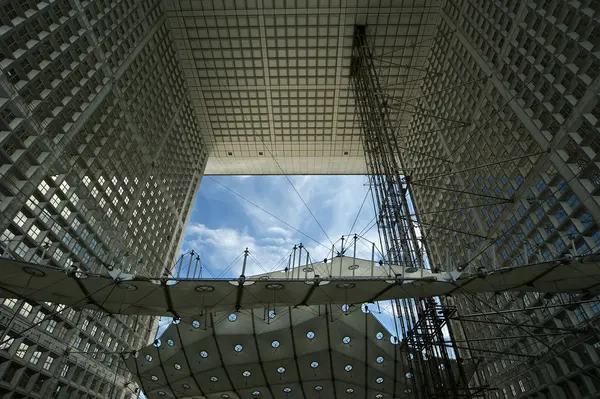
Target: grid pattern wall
100,158
273,79
517,79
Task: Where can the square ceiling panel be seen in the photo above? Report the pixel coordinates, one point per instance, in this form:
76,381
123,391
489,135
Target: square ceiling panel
270,79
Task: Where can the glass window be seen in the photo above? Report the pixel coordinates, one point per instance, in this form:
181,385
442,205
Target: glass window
35,358
23,347
25,309
10,302
48,363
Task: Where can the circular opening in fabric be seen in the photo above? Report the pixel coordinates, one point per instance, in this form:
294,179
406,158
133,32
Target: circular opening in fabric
204,288
32,271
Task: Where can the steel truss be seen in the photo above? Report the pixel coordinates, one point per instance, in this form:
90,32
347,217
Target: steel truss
424,324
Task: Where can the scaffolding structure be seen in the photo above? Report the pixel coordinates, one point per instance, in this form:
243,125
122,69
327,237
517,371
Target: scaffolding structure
427,336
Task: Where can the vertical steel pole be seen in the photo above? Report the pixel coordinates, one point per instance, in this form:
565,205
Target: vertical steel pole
293,263
246,252
372,258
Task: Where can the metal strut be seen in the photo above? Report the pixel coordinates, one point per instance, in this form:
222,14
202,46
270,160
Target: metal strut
431,370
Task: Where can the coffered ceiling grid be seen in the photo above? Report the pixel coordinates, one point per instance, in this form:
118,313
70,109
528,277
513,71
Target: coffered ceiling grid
271,78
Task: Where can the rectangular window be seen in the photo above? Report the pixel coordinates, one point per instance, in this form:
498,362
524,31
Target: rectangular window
579,314
48,363
10,302
25,309
39,317
35,358
51,326
22,350
8,341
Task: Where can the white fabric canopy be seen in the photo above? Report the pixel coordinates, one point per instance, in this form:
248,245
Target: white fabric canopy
289,353
340,281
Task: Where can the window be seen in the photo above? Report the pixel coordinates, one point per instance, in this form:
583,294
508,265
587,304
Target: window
39,317
25,309
8,341
579,314
521,385
51,326
55,201
34,232
513,390
43,187
64,371
48,363
10,302
85,324
22,350
35,358
20,219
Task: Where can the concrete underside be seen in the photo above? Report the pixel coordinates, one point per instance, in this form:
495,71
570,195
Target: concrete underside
270,82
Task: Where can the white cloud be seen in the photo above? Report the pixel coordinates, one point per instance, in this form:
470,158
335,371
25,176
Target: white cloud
219,247
334,200
279,231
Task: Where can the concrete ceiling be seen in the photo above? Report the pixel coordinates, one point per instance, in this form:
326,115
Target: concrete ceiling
270,79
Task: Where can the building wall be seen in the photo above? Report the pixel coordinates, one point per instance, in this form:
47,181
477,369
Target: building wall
515,85
100,160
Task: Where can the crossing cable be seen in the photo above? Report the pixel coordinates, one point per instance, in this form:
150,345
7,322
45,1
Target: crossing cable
359,210
518,325
56,312
267,212
538,204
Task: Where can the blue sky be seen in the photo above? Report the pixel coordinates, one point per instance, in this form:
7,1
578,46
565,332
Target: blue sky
222,224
